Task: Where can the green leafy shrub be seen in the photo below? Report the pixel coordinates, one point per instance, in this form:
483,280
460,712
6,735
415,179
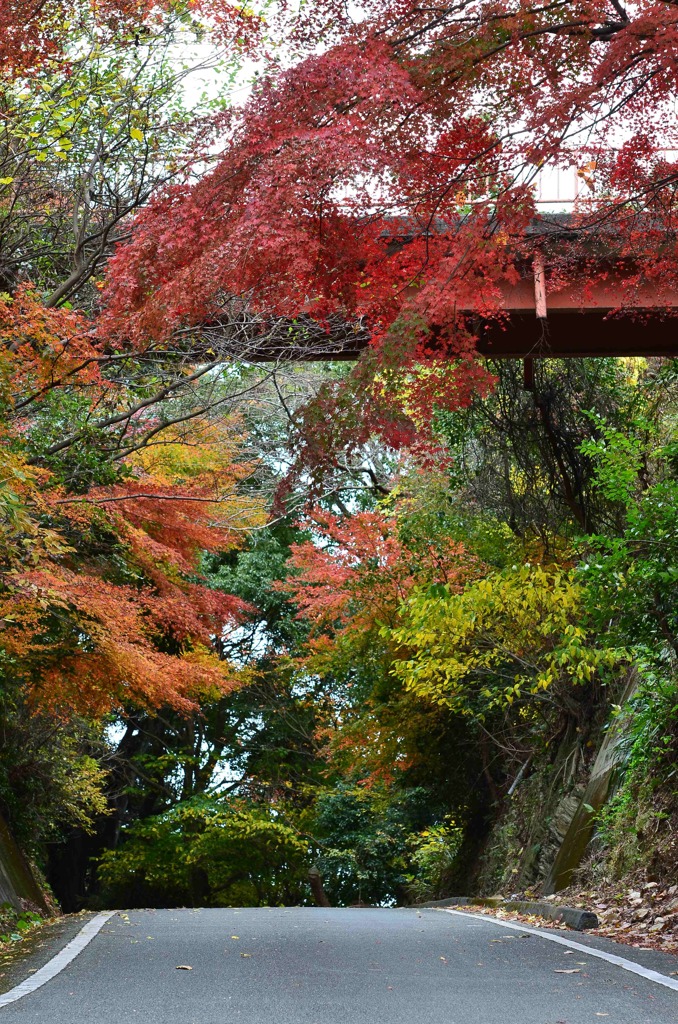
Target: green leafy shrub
209,851
636,827
14,924
433,853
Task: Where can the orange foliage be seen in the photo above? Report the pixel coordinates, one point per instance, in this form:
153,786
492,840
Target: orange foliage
86,642
101,599
356,573
105,650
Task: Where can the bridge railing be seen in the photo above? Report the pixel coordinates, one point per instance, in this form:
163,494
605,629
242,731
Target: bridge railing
559,187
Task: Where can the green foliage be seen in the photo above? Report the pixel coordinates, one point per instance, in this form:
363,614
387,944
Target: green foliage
434,852
517,455
15,924
631,577
252,574
52,776
432,507
84,465
208,852
632,828
362,836
618,457
86,141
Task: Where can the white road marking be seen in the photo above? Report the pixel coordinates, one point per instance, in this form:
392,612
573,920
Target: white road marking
612,958
58,962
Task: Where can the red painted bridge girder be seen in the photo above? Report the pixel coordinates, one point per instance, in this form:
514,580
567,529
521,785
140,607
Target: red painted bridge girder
574,322
605,319
614,313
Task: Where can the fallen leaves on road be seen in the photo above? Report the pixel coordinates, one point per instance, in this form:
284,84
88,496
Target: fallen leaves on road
565,970
644,915
184,967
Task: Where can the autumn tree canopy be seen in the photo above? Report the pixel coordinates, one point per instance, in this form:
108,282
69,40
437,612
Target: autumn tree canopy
386,177
117,472
256,615
33,35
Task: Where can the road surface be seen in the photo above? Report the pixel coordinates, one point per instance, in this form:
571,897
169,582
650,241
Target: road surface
314,966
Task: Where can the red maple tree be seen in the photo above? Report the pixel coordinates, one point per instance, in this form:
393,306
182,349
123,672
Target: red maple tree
356,572
388,181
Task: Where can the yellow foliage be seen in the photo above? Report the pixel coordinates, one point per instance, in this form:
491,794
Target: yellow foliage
209,448
505,638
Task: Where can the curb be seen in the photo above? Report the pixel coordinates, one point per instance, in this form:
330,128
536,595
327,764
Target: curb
573,917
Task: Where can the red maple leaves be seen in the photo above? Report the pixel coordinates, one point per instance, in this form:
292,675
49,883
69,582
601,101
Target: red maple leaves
356,572
389,178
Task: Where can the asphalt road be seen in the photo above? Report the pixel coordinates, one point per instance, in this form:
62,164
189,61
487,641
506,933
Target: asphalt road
313,966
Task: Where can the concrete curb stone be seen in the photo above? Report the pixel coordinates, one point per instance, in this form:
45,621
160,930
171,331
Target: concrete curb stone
573,917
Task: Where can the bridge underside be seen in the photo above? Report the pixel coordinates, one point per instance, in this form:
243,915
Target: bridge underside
613,312
564,334
522,335
608,317
583,319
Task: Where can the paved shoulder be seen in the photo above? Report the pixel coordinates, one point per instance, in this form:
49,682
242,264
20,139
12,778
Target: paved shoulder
315,966
39,947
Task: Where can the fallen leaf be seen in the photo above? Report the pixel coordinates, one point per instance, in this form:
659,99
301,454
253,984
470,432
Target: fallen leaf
235,936
245,954
572,970
184,967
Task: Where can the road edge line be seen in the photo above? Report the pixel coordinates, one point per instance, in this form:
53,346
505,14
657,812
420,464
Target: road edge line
601,954
58,962
574,917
